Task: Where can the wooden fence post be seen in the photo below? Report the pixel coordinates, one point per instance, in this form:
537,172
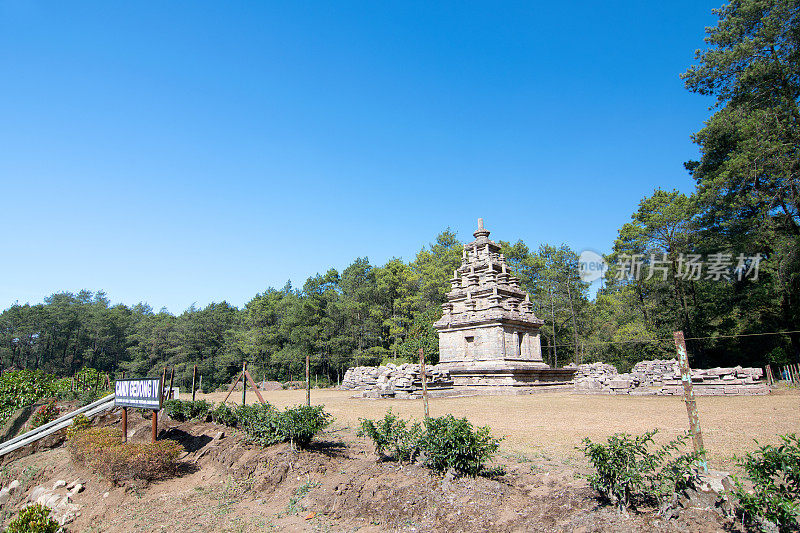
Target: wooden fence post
308,379
194,376
688,397
171,380
244,383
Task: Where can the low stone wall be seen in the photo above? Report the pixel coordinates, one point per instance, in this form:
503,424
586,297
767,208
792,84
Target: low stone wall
395,381
663,377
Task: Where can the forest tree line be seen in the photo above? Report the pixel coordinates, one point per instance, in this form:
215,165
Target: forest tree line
746,203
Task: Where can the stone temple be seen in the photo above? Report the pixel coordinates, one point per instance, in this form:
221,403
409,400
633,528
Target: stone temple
488,334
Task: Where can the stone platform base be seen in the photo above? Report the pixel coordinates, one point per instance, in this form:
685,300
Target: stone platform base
520,374
462,392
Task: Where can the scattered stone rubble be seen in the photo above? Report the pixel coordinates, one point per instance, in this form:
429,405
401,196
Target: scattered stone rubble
395,381
663,377
59,500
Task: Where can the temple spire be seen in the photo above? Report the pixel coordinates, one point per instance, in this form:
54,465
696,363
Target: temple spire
482,232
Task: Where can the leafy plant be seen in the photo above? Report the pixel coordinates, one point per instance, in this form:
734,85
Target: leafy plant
775,474
19,388
450,442
182,411
44,414
79,423
33,519
393,434
224,414
266,425
627,469
298,425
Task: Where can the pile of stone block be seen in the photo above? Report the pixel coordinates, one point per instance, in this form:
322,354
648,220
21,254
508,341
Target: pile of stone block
714,381
663,377
395,381
603,378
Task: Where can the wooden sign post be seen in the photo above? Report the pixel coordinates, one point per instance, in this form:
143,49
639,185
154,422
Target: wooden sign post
124,424
144,393
688,397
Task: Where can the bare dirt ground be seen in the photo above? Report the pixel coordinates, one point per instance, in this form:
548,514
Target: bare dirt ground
552,424
230,485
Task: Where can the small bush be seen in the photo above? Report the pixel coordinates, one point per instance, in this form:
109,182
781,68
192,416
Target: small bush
102,450
450,442
79,423
259,422
775,474
46,413
266,425
183,411
33,519
224,414
298,425
393,434
444,443
626,469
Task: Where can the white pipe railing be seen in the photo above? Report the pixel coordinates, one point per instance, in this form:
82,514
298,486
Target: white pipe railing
33,435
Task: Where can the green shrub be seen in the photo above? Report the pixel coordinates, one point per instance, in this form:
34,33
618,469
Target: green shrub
298,425
259,422
33,519
626,469
265,425
393,434
182,411
19,388
224,414
450,442
44,414
444,443
775,474
102,450
79,423
175,410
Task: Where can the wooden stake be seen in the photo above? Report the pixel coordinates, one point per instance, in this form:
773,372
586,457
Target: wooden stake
424,382
154,432
255,387
171,380
124,424
688,396
194,376
230,390
244,383
163,380
308,379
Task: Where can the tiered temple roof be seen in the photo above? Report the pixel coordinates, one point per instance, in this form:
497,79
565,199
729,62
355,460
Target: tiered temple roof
484,290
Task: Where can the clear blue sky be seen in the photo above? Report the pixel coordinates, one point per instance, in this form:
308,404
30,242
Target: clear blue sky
180,152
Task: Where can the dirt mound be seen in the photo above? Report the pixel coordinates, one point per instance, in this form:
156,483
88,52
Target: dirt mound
230,484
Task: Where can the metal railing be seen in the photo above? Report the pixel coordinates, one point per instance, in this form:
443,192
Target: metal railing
103,404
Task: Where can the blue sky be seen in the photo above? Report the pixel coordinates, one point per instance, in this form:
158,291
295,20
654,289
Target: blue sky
189,152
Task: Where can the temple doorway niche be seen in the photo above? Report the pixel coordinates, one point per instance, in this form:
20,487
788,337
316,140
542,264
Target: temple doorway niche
469,345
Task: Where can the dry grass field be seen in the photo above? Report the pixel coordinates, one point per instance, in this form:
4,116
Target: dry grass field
551,424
